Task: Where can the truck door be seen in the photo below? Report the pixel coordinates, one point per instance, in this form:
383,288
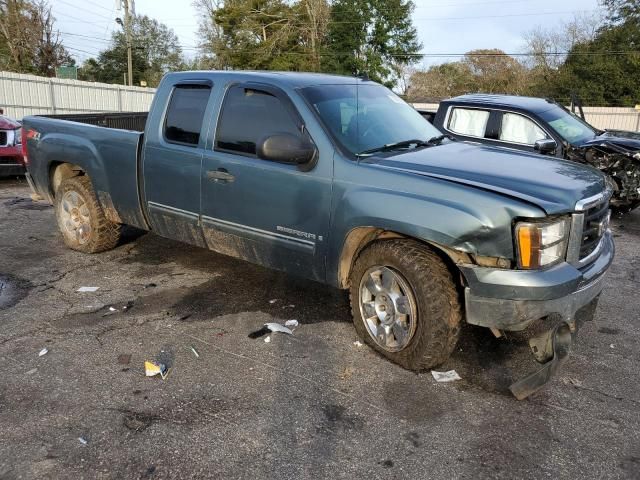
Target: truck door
270,213
172,162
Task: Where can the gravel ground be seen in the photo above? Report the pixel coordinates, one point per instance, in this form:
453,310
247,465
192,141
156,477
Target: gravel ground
310,405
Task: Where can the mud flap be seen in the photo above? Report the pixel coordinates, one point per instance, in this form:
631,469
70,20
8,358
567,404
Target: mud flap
561,345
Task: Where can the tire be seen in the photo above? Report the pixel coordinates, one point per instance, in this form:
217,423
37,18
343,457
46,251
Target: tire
81,219
430,338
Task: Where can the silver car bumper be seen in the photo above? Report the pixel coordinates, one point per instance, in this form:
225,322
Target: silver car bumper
513,299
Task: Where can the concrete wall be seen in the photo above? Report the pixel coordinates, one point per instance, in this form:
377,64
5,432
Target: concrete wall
22,95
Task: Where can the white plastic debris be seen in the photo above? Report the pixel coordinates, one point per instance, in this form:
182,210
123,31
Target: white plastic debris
273,301
87,289
82,440
267,339
450,376
32,371
276,327
612,346
195,352
291,323
44,351
357,343
111,309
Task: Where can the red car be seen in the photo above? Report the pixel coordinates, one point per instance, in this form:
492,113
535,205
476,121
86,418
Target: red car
10,147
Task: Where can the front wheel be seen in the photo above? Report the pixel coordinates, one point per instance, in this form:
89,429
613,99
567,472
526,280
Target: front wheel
405,304
80,217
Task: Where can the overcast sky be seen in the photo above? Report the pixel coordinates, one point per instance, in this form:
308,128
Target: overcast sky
444,26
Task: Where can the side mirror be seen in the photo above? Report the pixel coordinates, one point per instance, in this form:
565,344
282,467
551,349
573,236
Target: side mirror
547,146
286,148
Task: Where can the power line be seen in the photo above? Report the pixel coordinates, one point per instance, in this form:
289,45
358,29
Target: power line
84,9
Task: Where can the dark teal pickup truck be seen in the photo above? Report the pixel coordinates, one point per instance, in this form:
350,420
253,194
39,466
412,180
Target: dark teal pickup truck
338,180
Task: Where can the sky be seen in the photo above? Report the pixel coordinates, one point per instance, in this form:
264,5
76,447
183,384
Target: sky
444,26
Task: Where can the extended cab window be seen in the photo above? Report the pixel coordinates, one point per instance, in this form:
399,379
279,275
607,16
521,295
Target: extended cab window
469,121
186,113
249,115
519,129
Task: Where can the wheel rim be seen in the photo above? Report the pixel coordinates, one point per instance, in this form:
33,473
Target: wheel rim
388,308
74,217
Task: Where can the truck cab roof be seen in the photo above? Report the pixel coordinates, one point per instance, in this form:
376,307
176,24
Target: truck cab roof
290,79
530,104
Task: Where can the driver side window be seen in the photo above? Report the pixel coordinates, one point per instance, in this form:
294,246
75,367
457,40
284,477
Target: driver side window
249,115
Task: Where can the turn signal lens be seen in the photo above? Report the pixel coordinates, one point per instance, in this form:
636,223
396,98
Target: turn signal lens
541,244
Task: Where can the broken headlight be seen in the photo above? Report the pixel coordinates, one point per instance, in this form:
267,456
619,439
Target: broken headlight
541,244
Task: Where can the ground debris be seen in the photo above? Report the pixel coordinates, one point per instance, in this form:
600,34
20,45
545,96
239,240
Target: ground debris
87,289
442,377
42,352
151,369
124,358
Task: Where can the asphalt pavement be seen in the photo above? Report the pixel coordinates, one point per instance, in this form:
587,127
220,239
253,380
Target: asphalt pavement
304,406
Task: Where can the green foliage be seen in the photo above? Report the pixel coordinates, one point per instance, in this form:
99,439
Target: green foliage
599,75
375,37
155,51
28,42
622,11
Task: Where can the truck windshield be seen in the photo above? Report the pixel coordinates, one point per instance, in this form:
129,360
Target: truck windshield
368,117
568,126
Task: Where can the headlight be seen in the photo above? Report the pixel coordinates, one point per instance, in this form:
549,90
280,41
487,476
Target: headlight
17,139
541,244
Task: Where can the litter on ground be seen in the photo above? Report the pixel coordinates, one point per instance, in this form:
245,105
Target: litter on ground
268,339
291,323
273,301
82,440
87,289
44,351
151,369
357,343
276,327
32,371
195,352
124,358
450,376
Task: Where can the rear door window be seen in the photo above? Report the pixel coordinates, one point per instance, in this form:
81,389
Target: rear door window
520,129
185,114
468,121
247,116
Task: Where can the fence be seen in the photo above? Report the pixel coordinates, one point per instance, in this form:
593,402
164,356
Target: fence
22,95
604,118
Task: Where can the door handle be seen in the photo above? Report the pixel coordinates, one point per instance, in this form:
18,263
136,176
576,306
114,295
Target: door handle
221,176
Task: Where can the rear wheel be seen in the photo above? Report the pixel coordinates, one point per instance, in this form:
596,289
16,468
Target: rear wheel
81,219
405,304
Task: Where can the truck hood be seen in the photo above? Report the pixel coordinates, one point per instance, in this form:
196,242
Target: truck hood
617,138
552,184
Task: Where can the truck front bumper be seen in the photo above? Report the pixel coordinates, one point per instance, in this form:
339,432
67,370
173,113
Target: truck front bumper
513,299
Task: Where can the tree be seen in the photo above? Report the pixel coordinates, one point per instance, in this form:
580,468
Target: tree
375,37
622,11
156,51
261,34
603,71
441,81
28,40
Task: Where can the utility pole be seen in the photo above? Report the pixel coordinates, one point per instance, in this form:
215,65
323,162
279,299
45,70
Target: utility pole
127,33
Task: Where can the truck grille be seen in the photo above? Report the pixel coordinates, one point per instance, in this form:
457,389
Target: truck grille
3,138
596,223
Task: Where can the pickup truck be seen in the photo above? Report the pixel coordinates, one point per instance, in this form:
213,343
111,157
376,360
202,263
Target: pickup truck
544,126
306,173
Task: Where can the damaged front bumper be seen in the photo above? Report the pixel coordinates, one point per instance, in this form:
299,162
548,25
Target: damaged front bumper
512,300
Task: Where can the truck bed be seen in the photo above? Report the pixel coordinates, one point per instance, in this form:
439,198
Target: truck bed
134,121
75,139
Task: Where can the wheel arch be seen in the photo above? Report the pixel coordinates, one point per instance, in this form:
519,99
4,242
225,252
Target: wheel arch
59,171
360,238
